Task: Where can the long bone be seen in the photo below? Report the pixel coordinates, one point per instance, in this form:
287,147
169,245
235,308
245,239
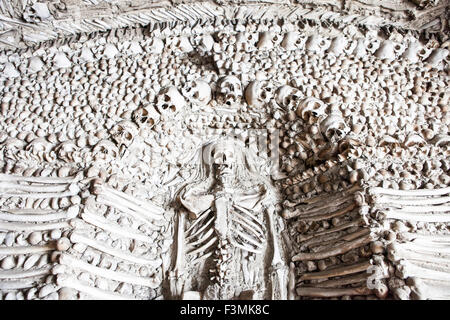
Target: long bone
351,279
396,250
20,284
429,289
333,292
325,245
27,249
439,248
418,237
46,180
308,206
421,217
104,224
79,238
432,265
65,214
15,226
338,228
331,215
73,262
342,248
32,188
327,197
411,193
147,207
410,202
73,190
398,254
422,209
119,202
248,222
21,211
406,269
20,274
310,210
70,282
124,209
337,272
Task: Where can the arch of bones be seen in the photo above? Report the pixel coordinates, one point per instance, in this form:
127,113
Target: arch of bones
283,149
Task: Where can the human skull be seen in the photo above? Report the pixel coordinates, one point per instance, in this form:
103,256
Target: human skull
105,150
66,150
311,109
288,97
124,132
258,93
334,127
267,40
389,50
292,41
198,92
169,101
229,90
245,41
316,43
146,116
223,159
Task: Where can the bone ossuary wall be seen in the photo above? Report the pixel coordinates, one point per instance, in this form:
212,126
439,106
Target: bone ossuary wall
224,150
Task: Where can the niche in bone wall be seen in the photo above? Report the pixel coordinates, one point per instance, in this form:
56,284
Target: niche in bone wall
255,153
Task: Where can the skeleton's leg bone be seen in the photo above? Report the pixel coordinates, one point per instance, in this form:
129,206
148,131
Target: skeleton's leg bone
104,224
397,253
32,188
332,292
20,284
15,226
346,237
334,251
291,282
70,282
79,238
108,274
337,272
423,209
326,197
420,237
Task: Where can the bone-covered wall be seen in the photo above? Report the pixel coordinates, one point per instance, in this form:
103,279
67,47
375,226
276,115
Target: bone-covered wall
224,149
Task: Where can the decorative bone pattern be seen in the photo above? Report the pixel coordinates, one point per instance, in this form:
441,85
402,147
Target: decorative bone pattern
325,125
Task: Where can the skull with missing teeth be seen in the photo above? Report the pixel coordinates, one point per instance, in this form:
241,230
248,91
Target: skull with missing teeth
198,92
334,127
169,102
258,93
229,90
288,97
146,116
124,132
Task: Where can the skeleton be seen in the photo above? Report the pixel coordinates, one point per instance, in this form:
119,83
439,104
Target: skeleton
226,223
169,102
198,92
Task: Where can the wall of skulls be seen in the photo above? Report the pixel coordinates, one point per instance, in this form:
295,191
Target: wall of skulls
118,116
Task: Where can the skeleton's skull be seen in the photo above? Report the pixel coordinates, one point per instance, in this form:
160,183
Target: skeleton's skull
258,93
267,40
334,127
223,160
146,116
311,109
316,43
124,133
288,97
229,90
66,151
105,150
169,101
198,92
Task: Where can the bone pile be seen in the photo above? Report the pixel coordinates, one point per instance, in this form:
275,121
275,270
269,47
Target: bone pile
335,185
